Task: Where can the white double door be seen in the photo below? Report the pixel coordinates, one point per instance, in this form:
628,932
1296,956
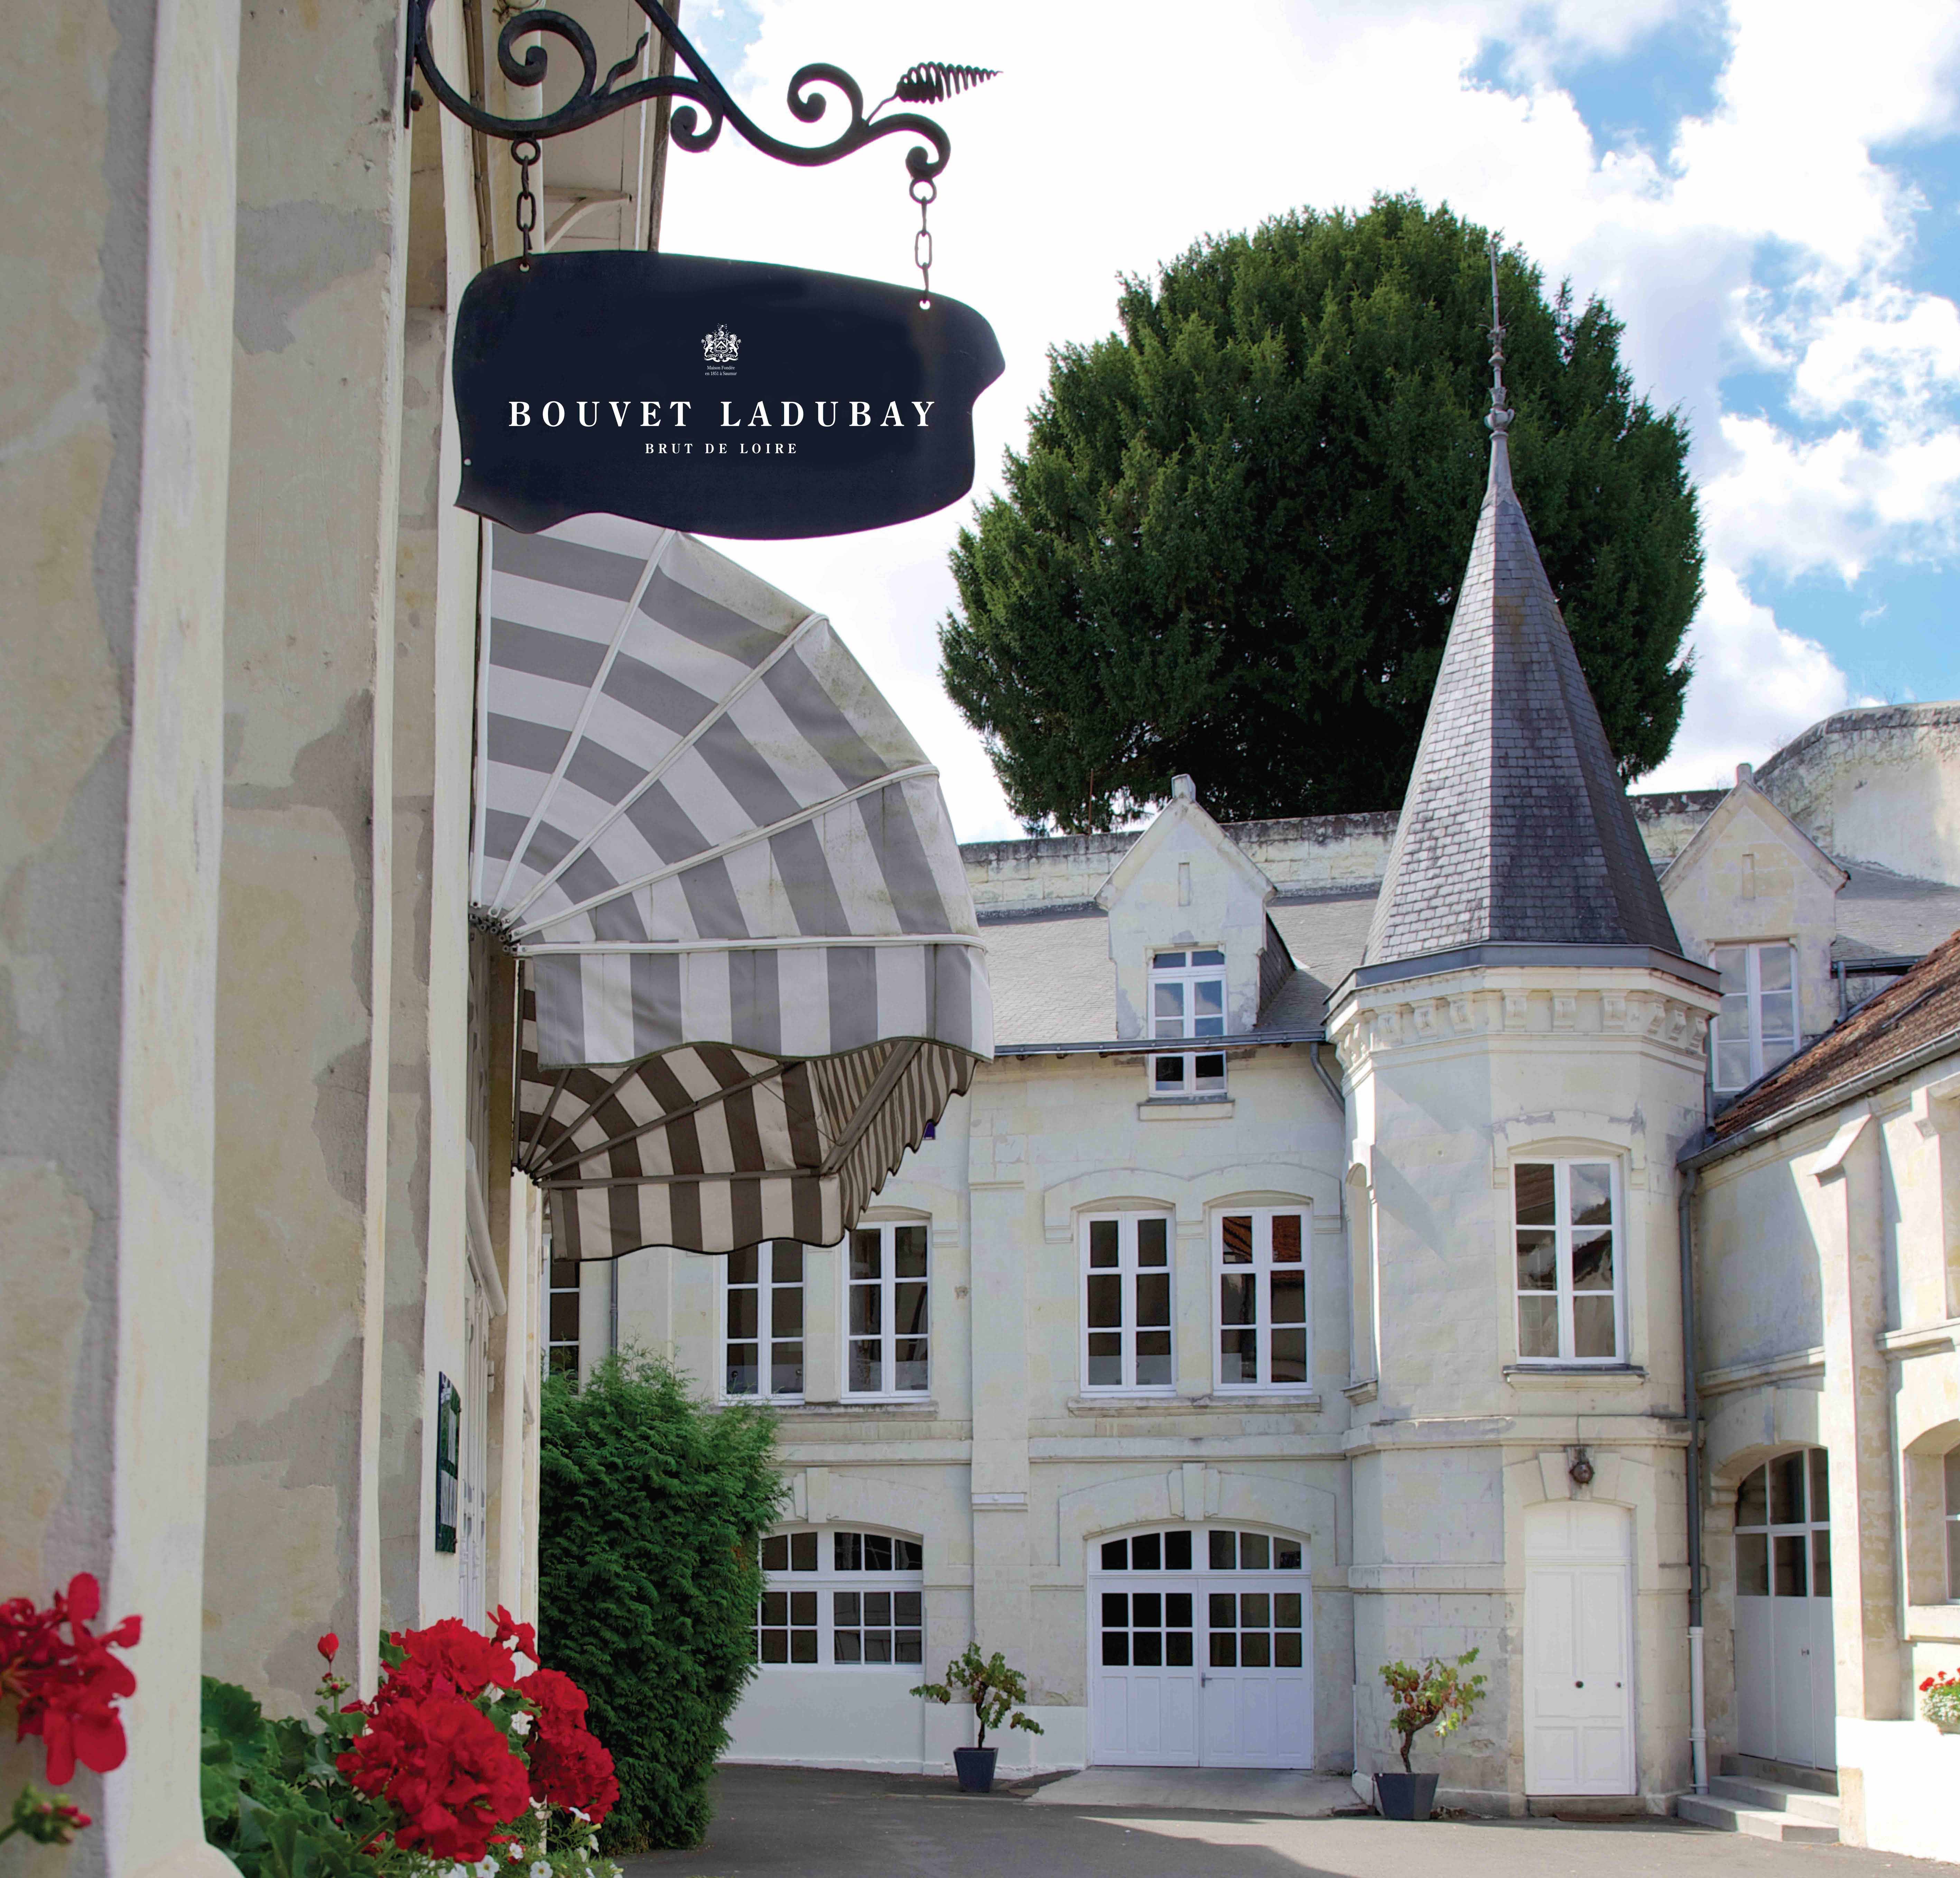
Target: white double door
1786,1680
1197,1671
1578,1683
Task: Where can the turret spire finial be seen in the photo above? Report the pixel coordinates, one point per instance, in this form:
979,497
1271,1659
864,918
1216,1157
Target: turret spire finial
1499,416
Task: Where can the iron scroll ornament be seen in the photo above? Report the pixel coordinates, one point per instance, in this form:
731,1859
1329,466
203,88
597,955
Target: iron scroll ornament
595,99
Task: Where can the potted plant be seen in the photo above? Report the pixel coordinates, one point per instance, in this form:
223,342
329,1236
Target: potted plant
998,1694
1940,1700
1439,1694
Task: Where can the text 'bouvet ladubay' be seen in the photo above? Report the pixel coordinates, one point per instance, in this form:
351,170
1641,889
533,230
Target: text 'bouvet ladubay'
859,415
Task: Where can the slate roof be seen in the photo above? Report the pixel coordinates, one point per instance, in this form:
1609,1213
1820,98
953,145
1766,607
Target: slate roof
1515,827
1881,914
1918,1009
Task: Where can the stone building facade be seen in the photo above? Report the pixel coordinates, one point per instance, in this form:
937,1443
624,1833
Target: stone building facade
1459,1074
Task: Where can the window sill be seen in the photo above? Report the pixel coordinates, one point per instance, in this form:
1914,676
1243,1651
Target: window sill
1242,1401
1570,1375
1127,1402
1933,1623
1185,1108
922,1408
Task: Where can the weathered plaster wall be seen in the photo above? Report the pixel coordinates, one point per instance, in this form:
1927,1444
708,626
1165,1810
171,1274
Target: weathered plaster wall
304,981
115,308
1881,784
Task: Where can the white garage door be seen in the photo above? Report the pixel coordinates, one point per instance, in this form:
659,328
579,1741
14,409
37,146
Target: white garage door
1200,1649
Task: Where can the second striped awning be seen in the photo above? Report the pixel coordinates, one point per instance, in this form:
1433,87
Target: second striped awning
755,973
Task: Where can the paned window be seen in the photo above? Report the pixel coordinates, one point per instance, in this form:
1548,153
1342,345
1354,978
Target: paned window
1568,1262
1953,1524
1126,1301
764,1318
886,1338
561,1316
848,1600
1254,1621
1188,999
1783,1528
1260,1266
1756,1029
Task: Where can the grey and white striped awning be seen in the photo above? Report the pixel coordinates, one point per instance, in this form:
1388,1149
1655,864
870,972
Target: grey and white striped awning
731,874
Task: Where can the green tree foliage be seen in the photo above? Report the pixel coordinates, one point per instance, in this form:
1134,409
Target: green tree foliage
1232,547
653,1505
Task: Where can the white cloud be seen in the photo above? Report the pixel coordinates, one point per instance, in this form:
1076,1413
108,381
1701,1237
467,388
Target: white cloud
1769,238
1756,686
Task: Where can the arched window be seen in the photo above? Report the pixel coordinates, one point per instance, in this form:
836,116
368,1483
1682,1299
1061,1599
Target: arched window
841,1598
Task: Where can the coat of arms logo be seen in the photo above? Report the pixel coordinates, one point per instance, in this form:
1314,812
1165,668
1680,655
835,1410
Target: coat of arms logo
720,347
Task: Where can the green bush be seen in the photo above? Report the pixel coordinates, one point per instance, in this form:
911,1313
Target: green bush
653,1503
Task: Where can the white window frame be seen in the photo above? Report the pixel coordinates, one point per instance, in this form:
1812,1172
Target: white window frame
1949,1465
1562,1229
1261,1271
1752,951
1127,1271
826,1581
1190,1085
886,1285
766,1287
554,1290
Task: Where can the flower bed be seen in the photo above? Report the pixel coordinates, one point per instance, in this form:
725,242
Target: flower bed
459,1764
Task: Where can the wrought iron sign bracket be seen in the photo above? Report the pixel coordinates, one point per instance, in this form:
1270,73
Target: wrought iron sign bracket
702,104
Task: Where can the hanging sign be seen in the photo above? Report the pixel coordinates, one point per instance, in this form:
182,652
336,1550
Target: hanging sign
725,398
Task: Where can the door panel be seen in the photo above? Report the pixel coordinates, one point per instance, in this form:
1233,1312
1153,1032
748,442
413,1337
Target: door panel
1755,1685
1578,1706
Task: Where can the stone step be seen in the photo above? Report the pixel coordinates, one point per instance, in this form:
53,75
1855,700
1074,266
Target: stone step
1814,1780
1761,1822
1774,1796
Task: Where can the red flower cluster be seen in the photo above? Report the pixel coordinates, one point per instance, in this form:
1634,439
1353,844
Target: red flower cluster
448,1658
446,1766
455,1777
1938,1682
570,1766
68,1686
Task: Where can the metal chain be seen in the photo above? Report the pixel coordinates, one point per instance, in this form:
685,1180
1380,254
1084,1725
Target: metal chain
525,151
922,241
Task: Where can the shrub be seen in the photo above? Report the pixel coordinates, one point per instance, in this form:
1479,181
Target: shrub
1437,1694
995,1691
653,1503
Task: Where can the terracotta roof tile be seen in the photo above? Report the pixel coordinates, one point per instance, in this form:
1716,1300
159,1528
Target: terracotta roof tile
1918,1007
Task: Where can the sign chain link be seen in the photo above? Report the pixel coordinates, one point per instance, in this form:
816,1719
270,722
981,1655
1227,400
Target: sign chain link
925,192
526,151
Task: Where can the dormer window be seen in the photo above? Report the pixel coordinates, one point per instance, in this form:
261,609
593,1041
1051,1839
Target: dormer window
1756,1029
1188,1000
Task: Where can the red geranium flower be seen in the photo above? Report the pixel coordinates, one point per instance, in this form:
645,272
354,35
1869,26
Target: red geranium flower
521,1637
570,1766
329,1646
444,1766
447,1658
67,1687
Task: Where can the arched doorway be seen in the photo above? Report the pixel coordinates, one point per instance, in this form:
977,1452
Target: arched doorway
1200,1649
1786,1670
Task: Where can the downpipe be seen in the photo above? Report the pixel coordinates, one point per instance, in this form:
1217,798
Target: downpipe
1697,1705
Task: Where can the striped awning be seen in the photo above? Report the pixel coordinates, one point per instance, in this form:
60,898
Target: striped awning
753,972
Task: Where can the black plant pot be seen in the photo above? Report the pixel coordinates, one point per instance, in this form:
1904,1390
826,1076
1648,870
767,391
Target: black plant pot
975,1767
1404,1795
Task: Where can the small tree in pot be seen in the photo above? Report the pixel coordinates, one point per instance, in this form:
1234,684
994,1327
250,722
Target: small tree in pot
1438,1695
997,1695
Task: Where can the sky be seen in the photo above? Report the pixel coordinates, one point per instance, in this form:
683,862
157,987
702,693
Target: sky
1766,192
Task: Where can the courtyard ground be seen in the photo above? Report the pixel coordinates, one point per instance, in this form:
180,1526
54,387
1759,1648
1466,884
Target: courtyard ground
796,1822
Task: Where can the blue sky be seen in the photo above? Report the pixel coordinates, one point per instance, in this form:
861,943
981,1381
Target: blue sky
1770,202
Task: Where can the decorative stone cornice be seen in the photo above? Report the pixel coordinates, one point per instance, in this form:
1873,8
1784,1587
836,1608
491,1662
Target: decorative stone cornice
1564,1005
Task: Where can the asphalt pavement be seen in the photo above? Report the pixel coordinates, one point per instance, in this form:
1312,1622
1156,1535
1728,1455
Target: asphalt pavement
798,1822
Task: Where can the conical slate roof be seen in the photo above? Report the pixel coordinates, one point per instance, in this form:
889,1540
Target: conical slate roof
1515,829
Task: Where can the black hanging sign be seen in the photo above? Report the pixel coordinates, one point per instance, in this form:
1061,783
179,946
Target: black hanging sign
726,397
